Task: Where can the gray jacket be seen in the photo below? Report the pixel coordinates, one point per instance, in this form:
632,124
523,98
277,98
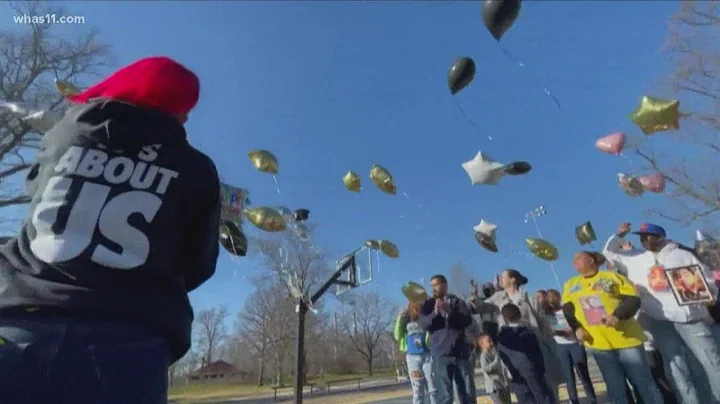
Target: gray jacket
496,374
489,310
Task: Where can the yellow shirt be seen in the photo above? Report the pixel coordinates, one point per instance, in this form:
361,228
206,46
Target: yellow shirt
597,297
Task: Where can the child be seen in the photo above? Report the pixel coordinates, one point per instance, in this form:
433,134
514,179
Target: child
520,352
495,373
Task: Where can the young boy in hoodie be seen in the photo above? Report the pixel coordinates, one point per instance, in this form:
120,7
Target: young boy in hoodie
520,352
497,380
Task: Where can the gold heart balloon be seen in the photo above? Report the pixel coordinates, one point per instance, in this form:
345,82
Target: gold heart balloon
389,249
372,244
65,88
352,181
542,248
383,179
657,115
265,219
414,292
264,161
585,233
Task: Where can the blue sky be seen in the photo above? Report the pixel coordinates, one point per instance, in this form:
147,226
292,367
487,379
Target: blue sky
332,86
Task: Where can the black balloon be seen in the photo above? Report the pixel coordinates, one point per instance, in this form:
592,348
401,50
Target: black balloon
301,214
518,168
500,15
232,239
486,242
461,74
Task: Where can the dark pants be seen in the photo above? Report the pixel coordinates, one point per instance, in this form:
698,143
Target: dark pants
658,372
532,388
448,371
572,357
62,361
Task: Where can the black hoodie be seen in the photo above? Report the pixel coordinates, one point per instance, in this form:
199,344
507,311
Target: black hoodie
123,223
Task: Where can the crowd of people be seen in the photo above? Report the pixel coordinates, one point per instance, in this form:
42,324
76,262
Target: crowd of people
647,316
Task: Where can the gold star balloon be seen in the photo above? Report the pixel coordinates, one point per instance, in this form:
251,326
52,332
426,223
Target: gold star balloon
265,219
383,179
264,161
585,233
352,181
657,115
389,249
65,88
542,249
414,292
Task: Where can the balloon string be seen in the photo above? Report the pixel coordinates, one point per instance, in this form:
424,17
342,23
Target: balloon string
276,184
414,202
465,116
521,64
377,257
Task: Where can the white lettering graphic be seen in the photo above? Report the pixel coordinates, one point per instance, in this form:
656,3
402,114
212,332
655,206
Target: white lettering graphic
66,221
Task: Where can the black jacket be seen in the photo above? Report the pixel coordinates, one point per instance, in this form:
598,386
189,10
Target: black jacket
447,334
520,351
123,222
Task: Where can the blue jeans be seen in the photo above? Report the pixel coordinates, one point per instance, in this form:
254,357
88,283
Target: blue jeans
573,357
616,365
677,341
448,371
62,361
421,380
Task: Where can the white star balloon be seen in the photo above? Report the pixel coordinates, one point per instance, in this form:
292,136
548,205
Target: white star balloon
487,229
484,170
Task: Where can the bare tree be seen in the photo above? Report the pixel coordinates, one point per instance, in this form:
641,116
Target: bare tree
210,324
459,280
31,57
269,323
295,260
365,325
693,188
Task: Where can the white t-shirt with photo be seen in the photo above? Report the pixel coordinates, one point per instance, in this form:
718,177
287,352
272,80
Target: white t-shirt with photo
559,322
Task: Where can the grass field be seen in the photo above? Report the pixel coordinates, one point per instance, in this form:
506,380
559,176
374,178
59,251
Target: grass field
193,392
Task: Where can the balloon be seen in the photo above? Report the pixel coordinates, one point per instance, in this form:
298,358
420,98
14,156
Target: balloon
372,244
484,170
264,161
630,185
653,183
389,249
301,214
414,292
518,168
65,88
233,239
233,201
612,143
461,74
542,249
352,181
266,219
383,179
285,212
585,233
485,234
499,16
39,121
657,115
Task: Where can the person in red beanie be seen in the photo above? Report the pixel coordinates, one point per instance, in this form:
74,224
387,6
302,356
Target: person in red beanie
123,223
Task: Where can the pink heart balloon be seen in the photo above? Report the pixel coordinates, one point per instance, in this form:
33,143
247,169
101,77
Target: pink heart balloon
612,143
653,183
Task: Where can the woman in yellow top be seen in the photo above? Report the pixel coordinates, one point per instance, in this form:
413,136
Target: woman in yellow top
600,306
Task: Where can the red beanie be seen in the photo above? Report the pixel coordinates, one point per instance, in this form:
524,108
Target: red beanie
158,83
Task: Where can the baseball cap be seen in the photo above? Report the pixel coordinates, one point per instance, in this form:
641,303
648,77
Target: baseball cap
651,229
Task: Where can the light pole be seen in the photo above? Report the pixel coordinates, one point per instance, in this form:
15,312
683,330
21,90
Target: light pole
533,215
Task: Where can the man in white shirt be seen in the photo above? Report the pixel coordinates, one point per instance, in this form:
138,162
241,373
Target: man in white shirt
672,325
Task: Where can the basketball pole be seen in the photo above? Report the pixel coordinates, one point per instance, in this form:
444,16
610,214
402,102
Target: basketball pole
302,309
